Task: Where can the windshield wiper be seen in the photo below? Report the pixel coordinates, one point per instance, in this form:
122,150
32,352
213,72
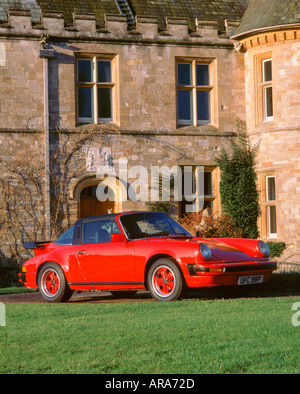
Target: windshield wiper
160,233
180,235
167,234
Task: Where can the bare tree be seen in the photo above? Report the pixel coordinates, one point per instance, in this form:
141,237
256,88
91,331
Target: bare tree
22,190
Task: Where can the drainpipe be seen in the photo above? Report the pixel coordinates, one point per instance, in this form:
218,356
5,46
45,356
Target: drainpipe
47,54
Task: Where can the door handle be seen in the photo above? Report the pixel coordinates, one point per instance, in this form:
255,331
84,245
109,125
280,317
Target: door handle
81,252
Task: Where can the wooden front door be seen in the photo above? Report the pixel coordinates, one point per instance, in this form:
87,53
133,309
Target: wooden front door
91,206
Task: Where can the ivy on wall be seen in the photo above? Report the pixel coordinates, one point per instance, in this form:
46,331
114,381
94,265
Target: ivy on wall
238,184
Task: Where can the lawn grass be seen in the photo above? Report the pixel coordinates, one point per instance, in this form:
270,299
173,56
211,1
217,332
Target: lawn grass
15,290
249,335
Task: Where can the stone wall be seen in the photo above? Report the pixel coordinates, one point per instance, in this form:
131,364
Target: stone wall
144,129
279,138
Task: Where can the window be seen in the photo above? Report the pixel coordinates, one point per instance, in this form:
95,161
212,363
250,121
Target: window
208,190
94,90
271,207
99,231
150,224
66,238
193,93
265,88
198,190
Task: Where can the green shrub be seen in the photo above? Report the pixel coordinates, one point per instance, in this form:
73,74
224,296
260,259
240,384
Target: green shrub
276,248
238,188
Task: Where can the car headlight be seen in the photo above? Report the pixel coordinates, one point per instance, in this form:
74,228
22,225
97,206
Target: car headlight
263,249
205,251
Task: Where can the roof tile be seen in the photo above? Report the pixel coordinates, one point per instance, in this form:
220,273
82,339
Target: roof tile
268,13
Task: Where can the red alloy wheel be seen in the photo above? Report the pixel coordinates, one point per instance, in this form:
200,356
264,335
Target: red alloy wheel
50,282
163,281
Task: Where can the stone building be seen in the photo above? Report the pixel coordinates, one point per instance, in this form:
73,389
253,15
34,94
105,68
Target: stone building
270,37
120,84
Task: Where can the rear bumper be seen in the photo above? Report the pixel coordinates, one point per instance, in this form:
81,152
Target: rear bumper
22,277
213,275
28,279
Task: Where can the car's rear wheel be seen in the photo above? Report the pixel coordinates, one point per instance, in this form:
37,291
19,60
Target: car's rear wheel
52,284
164,280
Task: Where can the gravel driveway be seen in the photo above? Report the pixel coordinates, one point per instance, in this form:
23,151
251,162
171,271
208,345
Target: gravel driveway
94,297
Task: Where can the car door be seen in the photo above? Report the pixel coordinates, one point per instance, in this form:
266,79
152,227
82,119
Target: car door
102,261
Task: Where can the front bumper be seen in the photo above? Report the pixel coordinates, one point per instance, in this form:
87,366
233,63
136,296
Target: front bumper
226,274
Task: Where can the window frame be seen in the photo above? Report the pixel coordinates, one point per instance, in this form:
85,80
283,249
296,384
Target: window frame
267,205
267,84
210,199
270,204
95,86
194,88
112,221
263,85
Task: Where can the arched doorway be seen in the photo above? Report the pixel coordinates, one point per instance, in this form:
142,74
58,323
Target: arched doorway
85,195
91,206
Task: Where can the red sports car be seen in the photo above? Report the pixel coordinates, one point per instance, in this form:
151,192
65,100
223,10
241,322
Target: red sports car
141,250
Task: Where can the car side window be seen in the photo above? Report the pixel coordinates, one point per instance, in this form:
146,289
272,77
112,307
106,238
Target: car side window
66,238
99,231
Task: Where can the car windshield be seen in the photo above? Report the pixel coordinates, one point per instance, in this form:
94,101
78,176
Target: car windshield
148,224
66,238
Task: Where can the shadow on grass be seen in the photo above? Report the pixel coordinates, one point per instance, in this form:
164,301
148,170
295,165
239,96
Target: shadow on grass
280,285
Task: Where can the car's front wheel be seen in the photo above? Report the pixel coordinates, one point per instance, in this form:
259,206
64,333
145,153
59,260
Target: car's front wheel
52,284
164,280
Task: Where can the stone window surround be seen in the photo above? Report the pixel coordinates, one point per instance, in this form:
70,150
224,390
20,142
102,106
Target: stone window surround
94,84
267,205
212,199
261,89
194,88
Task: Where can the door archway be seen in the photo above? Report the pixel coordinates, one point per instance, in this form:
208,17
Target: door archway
91,206
85,194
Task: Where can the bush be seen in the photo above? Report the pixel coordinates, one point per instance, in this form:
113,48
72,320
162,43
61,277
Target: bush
276,248
212,226
238,189
8,276
9,269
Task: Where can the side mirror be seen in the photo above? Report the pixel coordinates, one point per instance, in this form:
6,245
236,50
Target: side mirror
199,234
118,238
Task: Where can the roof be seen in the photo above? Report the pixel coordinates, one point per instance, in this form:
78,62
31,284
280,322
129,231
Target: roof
263,14
68,7
203,9
113,215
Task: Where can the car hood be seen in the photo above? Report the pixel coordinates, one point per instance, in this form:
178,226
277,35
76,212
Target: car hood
220,250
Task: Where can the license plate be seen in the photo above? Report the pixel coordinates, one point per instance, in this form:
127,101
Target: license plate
250,280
